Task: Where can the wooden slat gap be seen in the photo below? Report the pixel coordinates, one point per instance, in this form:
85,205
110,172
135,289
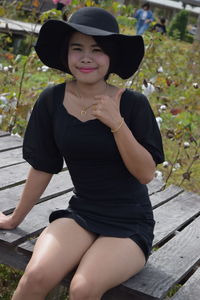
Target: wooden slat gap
22,162
165,240
188,222
12,185
180,228
26,237
10,210
185,278
167,199
12,148
3,134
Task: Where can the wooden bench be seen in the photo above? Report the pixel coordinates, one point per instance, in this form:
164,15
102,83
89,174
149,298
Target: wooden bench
176,254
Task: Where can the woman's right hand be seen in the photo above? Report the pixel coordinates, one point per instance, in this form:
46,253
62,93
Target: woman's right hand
6,222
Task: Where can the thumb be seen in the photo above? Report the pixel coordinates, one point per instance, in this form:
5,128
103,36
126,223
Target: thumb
119,93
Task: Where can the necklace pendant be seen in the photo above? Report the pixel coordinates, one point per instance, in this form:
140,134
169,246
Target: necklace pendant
83,112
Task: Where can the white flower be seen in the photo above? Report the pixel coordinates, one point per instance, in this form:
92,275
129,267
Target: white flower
158,175
160,69
195,85
176,166
159,121
6,69
186,145
148,89
128,83
162,108
165,164
3,99
44,68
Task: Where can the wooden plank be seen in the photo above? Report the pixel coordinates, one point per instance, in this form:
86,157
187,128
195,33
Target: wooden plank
174,214
155,185
4,133
191,289
168,265
10,142
60,183
13,175
35,221
162,197
10,257
19,27
11,157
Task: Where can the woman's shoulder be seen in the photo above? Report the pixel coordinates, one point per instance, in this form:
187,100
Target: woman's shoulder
135,97
51,92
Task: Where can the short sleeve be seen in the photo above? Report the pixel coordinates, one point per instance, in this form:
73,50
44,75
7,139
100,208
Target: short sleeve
39,146
145,128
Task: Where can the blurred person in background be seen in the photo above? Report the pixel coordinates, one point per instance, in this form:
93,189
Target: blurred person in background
144,17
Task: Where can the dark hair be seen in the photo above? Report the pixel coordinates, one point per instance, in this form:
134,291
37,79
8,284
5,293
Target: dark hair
64,51
146,4
162,20
107,44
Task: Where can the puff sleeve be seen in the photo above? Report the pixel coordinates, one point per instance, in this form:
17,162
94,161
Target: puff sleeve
145,128
39,146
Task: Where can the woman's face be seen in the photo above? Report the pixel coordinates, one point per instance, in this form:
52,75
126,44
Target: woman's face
86,60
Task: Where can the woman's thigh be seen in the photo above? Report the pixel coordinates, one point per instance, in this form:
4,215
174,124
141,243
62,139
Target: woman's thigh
59,249
108,262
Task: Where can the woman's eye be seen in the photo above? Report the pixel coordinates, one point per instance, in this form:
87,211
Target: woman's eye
76,49
97,50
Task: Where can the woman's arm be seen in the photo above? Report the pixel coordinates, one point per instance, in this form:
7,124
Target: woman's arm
36,183
136,158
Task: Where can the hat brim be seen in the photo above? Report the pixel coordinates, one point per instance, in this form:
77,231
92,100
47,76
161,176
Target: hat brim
54,32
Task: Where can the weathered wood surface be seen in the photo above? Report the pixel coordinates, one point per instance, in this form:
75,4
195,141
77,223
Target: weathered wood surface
18,27
177,230
8,142
60,183
3,133
11,157
191,289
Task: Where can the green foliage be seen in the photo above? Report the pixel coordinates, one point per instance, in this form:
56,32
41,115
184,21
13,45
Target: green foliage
126,21
177,28
189,38
173,290
8,281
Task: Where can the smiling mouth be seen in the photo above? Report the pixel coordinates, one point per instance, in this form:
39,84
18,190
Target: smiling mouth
87,70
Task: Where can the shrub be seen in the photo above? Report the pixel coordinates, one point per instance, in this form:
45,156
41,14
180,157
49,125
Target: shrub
179,23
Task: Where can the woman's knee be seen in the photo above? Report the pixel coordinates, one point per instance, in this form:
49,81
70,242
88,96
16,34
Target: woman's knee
35,280
82,288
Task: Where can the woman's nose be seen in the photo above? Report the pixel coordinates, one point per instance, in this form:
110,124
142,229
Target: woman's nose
86,57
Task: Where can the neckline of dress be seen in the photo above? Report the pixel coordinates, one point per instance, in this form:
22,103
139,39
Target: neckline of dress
77,119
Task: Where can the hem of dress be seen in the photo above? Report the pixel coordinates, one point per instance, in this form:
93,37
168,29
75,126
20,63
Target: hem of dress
136,237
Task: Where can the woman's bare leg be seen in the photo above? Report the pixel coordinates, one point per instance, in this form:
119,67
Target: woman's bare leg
58,250
107,263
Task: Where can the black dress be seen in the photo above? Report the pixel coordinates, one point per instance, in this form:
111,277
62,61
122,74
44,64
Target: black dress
107,200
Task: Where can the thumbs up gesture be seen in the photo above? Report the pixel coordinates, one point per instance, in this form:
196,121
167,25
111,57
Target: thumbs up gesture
107,109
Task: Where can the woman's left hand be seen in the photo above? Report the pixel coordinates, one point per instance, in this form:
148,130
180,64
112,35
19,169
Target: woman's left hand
106,109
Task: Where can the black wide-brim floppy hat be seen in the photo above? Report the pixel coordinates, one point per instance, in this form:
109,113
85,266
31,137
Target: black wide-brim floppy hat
93,21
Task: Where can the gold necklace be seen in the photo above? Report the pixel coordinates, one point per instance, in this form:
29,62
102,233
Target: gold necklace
84,110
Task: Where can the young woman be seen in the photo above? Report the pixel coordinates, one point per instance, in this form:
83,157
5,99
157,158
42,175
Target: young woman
144,17
111,144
